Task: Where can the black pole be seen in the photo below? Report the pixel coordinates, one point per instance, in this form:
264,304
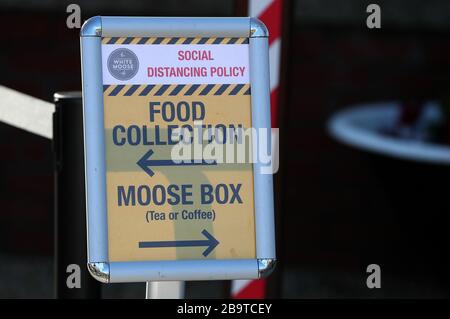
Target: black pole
70,205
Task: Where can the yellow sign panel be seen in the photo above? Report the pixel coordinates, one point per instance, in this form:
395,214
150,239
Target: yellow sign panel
160,207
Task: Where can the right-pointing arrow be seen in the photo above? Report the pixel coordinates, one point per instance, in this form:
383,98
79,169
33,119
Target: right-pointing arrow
210,242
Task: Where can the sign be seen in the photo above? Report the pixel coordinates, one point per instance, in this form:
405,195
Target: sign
172,112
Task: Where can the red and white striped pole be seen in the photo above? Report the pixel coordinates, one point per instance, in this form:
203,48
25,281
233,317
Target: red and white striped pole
269,12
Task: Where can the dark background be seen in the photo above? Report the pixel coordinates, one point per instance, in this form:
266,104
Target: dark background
341,209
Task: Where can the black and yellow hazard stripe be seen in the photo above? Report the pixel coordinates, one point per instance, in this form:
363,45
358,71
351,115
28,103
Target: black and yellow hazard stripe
173,40
176,89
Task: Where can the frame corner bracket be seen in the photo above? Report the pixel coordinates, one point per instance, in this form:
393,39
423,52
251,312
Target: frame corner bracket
99,270
258,29
92,27
266,266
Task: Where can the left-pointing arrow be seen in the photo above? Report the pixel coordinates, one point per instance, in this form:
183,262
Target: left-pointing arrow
145,162
210,243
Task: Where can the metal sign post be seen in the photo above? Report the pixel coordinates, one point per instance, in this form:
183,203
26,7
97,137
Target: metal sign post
165,290
161,97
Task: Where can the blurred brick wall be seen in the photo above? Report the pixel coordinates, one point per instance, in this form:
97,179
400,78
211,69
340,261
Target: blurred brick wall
338,212
26,193
39,57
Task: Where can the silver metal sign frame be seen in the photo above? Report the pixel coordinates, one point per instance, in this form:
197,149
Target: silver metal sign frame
94,143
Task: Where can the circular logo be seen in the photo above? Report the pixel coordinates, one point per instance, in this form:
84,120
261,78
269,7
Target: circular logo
123,64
